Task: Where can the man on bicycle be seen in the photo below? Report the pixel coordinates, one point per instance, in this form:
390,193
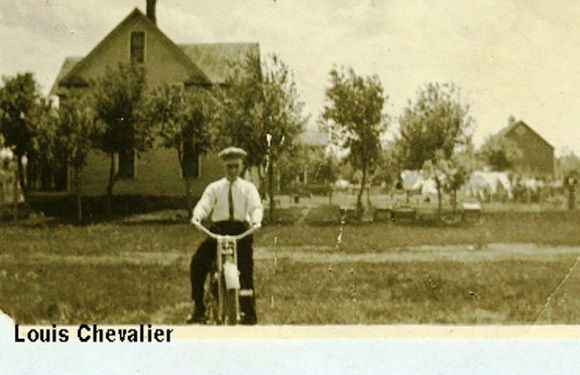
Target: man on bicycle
233,204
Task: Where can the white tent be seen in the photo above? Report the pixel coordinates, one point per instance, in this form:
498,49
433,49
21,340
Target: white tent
491,183
416,181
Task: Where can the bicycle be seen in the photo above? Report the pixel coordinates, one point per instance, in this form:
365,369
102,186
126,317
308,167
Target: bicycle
222,289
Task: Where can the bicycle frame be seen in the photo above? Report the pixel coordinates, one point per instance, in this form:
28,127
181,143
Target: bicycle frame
227,274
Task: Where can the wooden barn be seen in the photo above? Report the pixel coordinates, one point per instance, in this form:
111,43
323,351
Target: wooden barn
537,155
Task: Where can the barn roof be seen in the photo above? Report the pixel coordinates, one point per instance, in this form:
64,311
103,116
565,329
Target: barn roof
511,127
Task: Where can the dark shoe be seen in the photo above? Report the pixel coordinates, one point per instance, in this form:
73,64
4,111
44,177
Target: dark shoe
248,309
197,317
249,320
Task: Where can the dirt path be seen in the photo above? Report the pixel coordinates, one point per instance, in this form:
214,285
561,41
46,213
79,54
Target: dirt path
327,254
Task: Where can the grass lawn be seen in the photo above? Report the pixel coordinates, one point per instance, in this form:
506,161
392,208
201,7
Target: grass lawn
133,271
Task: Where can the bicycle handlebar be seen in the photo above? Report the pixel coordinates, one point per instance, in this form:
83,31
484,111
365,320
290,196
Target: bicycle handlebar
236,237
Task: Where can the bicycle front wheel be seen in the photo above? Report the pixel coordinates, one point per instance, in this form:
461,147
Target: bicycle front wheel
232,307
212,313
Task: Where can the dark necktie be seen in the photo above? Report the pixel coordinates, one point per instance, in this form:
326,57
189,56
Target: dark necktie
231,203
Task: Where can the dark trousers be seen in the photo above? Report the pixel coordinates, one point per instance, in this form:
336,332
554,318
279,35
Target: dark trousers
206,254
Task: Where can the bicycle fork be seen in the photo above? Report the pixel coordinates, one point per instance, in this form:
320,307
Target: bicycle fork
229,280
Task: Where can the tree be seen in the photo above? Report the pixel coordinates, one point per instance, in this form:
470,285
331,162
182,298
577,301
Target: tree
314,163
499,153
434,137
74,135
449,174
19,113
354,112
11,193
118,98
259,110
568,165
43,160
387,169
438,120
182,116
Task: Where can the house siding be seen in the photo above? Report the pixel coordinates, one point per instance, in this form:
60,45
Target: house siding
157,173
161,61
537,156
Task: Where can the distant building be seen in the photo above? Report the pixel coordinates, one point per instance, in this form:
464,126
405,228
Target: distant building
138,40
537,155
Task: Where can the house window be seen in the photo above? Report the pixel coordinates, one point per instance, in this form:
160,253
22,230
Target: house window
126,167
138,46
190,160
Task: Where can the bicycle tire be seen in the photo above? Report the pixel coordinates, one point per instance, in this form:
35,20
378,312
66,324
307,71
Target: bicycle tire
210,299
231,308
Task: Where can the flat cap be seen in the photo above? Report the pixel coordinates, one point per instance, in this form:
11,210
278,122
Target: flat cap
232,153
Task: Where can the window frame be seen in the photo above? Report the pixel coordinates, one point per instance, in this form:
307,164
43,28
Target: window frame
143,47
118,165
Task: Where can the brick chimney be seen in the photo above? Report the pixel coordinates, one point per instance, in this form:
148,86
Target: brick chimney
151,10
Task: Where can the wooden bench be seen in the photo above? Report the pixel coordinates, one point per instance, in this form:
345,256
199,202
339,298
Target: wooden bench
383,214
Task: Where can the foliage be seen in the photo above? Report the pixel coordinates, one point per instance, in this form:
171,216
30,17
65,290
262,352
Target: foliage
256,100
118,99
43,155
19,99
182,117
259,110
499,153
568,165
354,113
319,165
20,111
76,129
387,170
449,174
438,120
74,137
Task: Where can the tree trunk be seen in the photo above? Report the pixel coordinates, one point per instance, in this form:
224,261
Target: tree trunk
79,193
22,180
330,194
15,197
571,196
362,187
110,186
186,185
439,198
454,199
271,189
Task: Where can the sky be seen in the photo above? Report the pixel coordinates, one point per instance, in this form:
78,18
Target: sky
518,57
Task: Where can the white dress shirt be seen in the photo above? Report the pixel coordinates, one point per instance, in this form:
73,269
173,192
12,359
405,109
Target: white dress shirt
214,201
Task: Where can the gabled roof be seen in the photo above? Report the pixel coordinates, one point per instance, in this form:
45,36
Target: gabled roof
208,63
68,64
71,76
511,127
216,59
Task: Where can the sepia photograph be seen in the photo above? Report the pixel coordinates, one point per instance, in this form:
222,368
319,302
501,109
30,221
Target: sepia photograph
287,163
